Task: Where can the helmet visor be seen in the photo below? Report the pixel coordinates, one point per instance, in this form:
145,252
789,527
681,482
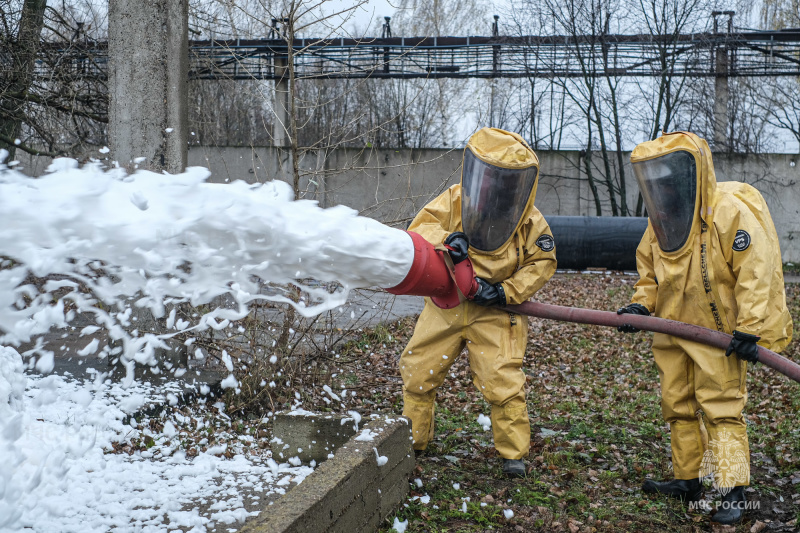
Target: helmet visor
493,200
669,188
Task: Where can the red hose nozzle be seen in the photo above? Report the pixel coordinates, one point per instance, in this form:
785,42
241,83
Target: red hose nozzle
431,275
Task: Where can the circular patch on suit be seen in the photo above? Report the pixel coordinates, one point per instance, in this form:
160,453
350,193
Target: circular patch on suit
546,243
742,241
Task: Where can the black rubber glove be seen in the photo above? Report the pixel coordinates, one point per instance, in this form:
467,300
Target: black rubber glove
459,243
633,309
745,346
489,294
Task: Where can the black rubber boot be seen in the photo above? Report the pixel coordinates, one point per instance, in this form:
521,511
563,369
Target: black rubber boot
688,490
731,510
513,468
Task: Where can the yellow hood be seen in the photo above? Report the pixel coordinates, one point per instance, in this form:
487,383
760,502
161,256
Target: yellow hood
502,148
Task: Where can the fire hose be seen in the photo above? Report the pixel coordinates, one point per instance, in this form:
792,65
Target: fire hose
433,274
690,332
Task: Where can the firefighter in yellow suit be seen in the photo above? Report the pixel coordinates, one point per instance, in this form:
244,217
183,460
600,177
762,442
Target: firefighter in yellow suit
490,218
709,257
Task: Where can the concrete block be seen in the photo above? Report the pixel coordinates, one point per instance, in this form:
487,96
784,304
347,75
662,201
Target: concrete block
393,496
309,436
395,443
372,523
350,492
334,486
323,497
360,511
355,494
397,473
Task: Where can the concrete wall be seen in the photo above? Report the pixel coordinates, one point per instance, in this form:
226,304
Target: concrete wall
392,185
777,176
309,436
389,185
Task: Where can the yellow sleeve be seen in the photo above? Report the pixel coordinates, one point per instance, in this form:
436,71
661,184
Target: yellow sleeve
538,262
646,289
435,221
752,258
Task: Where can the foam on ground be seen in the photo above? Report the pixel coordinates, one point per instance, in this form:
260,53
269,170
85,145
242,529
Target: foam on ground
56,474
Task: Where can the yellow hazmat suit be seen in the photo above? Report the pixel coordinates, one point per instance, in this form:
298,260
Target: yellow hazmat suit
495,339
727,275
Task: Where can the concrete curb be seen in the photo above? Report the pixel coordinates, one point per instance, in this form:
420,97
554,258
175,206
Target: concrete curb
309,436
349,493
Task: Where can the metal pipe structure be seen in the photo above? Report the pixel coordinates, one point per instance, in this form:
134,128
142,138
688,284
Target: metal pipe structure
749,53
689,332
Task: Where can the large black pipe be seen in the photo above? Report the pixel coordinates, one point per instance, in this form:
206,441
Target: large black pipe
597,242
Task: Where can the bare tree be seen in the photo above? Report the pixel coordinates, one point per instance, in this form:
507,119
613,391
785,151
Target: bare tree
430,112
779,14
230,113
319,116
53,99
614,109
541,106
778,100
665,20
20,43
587,24
780,104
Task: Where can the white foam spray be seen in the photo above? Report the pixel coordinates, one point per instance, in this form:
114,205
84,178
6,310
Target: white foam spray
167,239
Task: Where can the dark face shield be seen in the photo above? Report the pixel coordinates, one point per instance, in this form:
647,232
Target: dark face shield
493,200
669,188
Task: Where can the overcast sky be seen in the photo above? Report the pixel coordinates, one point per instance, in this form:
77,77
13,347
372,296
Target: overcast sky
366,19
